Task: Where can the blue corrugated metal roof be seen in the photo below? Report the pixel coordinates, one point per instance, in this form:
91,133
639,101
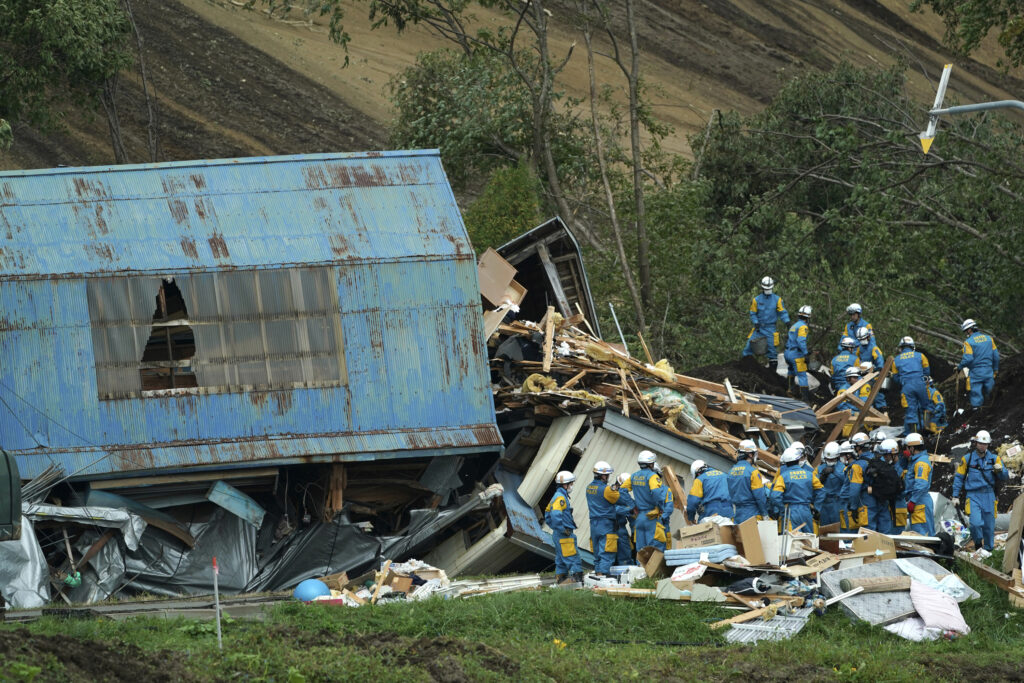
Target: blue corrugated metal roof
416,382
239,213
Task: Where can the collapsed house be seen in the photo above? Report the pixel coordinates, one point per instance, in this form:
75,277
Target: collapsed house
276,361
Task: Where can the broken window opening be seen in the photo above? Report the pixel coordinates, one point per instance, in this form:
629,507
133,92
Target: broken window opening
166,361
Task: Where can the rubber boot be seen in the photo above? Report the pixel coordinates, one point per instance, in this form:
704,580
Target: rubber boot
805,395
559,578
789,385
773,365
577,577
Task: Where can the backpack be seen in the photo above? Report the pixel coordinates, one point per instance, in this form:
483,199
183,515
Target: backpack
884,480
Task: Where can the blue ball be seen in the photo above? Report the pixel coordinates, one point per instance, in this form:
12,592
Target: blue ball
310,589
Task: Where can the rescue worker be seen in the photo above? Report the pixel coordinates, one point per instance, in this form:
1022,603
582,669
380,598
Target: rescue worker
766,309
917,484
975,480
910,370
935,415
709,493
856,322
852,377
881,507
795,490
796,353
746,488
832,476
625,518
667,509
981,359
649,496
871,354
601,500
845,457
846,358
899,514
558,516
856,501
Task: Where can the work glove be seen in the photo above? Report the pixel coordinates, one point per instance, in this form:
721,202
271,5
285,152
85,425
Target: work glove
997,466
815,514
956,502
869,490
910,506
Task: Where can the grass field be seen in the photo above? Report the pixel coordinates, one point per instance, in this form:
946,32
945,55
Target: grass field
546,635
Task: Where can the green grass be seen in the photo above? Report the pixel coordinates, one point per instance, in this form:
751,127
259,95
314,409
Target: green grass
541,635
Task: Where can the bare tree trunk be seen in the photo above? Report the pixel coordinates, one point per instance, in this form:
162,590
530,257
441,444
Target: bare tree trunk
613,215
108,98
695,173
643,245
151,133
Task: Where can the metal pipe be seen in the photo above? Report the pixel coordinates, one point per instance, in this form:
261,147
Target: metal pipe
618,327
980,106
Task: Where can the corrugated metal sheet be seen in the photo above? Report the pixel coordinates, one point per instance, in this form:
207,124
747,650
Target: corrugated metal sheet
550,455
407,291
234,213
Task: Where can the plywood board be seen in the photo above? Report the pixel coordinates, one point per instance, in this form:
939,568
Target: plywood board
495,274
549,458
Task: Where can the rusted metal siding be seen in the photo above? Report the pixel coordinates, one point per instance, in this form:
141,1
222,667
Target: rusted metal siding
417,381
241,213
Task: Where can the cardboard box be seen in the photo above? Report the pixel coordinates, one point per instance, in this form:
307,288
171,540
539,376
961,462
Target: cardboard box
653,562
759,541
879,545
700,535
398,582
337,581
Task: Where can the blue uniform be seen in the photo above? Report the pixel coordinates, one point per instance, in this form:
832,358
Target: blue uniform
558,515
840,362
975,479
899,517
747,491
935,415
604,539
833,483
859,501
796,488
851,330
765,311
870,352
846,521
916,484
910,368
649,496
981,357
796,351
878,511
709,494
624,518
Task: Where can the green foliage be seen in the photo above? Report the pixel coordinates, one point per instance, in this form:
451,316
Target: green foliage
6,136
55,50
969,23
508,207
19,671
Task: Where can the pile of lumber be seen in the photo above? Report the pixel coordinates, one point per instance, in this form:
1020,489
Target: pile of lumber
573,371
850,421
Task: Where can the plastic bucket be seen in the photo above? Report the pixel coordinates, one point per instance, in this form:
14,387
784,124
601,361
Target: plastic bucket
759,345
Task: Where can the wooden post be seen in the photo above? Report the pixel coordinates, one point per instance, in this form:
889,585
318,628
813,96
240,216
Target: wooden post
871,397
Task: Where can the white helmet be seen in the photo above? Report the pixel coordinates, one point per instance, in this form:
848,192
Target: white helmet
696,466
866,367
863,335
859,439
767,283
791,454
852,371
565,477
982,437
747,447
853,308
646,458
805,311
831,451
846,448
623,478
968,325
914,439
888,447
907,342
848,343
601,467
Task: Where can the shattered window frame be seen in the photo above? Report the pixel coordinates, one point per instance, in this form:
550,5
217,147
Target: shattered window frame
254,330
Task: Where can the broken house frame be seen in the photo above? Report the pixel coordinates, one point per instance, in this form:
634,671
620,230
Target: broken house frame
275,350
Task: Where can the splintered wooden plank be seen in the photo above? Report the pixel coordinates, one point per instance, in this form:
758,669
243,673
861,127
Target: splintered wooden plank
845,394
549,338
871,396
677,490
550,456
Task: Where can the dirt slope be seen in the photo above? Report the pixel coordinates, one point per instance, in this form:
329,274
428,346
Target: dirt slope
235,82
